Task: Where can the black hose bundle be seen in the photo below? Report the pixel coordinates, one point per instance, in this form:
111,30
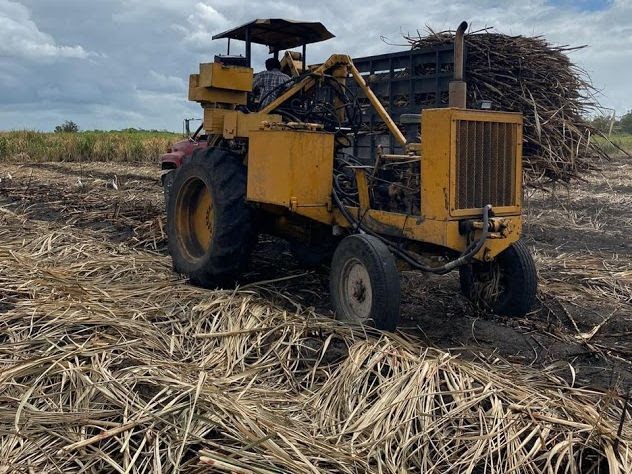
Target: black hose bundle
463,259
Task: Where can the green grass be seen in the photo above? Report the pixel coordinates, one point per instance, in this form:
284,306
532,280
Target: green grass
124,146
621,140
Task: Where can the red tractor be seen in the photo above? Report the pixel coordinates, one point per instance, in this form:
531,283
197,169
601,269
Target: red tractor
172,160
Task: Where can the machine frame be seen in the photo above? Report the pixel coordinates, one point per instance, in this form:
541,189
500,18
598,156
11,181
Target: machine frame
289,165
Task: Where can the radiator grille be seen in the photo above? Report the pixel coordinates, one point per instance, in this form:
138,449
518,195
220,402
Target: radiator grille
485,164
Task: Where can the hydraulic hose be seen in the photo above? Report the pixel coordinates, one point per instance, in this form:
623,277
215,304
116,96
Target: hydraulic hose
462,259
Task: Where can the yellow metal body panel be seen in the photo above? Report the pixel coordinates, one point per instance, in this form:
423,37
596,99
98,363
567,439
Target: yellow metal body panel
292,169
438,165
516,141
442,233
212,94
218,75
214,119
239,125
440,214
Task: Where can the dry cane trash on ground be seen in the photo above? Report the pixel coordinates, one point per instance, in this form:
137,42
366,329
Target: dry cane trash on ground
108,364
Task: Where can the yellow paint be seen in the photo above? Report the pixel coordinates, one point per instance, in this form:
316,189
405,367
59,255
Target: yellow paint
235,78
438,165
239,125
377,105
441,233
334,61
214,120
291,64
214,95
292,169
194,218
363,189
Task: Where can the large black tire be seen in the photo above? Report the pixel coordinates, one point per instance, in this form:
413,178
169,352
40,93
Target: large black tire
364,283
209,223
167,184
506,286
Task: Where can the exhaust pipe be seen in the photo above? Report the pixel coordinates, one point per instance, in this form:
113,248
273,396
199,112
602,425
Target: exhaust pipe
458,87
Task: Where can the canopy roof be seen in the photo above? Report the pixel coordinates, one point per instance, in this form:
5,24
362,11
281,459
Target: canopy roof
278,33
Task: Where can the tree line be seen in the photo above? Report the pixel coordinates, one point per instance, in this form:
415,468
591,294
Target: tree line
604,123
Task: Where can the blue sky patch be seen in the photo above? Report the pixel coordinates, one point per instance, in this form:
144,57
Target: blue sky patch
583,5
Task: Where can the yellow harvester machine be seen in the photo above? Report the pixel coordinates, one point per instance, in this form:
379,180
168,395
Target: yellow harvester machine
450,200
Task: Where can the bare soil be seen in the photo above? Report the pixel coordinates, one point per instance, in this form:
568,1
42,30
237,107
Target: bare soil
579,236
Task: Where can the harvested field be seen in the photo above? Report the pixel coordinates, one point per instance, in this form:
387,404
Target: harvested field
110,362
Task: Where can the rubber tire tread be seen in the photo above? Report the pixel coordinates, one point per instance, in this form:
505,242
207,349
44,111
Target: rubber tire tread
382,269
167,185
225,176
521,283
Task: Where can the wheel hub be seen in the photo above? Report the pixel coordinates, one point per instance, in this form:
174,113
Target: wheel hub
359,291
355,289
194,218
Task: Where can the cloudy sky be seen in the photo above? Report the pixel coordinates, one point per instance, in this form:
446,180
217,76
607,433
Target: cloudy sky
112,64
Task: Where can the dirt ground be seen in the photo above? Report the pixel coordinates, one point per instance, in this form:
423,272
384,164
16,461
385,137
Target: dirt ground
579,236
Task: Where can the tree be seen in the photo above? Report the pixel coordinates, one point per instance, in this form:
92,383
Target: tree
66,127
626,122
601,123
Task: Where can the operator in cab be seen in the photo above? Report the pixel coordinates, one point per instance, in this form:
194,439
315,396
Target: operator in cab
268,84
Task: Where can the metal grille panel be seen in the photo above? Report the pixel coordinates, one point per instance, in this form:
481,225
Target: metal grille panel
485,164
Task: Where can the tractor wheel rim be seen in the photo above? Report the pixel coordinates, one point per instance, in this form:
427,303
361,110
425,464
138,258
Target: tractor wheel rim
194,218
356,291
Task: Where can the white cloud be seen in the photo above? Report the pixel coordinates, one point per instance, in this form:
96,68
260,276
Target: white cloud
163,83
20,37
148,49
130,11
202,24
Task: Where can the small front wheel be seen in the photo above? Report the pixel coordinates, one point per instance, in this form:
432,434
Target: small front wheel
364,283
504,286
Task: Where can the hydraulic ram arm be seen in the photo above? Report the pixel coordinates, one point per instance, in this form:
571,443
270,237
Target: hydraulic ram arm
307,82
334,61
377,105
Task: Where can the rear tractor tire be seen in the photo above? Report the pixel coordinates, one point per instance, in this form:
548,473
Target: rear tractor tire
506,286
364,283
209,223
167,184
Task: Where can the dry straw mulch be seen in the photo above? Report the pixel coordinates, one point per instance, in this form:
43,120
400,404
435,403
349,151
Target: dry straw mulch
108,363
531,76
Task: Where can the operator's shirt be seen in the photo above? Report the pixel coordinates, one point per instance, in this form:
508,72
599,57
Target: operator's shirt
267,85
